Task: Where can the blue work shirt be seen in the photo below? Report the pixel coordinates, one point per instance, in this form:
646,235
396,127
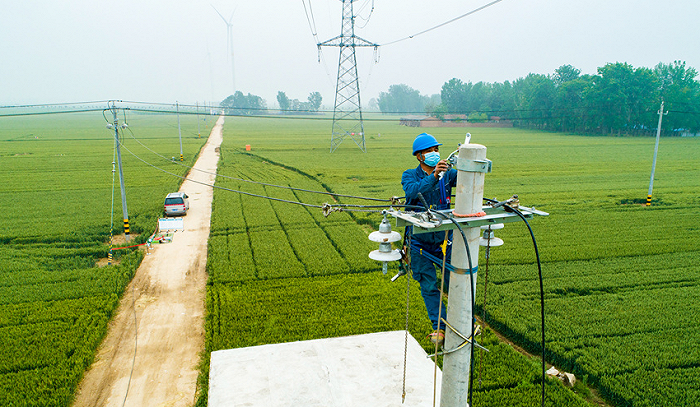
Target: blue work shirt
417,180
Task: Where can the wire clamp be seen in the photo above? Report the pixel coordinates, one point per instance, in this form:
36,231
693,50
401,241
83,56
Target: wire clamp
513,202
396,200
328,209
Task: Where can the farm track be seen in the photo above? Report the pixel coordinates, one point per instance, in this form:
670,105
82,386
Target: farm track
152,350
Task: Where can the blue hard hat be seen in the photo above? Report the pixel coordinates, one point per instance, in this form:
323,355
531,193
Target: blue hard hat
423,141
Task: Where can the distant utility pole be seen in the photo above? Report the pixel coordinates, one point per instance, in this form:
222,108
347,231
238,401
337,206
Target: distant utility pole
347,113
199,134
179,131
656,151
125,211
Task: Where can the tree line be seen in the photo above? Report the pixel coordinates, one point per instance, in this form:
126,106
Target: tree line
619,99
246,105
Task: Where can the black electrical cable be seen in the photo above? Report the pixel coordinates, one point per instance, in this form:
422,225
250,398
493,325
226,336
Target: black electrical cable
471,288
539,268
471,275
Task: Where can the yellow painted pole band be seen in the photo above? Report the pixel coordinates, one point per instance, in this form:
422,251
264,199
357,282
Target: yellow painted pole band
182,157
126,226
648,200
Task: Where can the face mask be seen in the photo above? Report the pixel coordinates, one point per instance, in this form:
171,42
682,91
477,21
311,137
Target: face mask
431,159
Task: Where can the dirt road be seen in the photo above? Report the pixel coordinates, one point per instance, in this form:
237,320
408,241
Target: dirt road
161,315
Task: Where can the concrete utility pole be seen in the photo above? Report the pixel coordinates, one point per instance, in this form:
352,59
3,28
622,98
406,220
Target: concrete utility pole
656,151
125,211
179,132
460,315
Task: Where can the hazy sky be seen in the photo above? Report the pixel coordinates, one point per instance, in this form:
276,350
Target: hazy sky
176,50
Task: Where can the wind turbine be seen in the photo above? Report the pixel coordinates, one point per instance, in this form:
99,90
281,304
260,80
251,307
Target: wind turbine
229,42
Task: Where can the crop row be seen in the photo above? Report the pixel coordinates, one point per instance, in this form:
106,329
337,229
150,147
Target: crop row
679,387
278,239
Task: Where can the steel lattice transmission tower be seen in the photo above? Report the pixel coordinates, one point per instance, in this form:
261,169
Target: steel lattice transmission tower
347,113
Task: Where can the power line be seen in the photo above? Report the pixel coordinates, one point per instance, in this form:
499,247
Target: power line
445,23
55,104
369,16
257,182
327,208
312,27
51,112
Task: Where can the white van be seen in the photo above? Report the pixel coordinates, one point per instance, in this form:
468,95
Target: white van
176,203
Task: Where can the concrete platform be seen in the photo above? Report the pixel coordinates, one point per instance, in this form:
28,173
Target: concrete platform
351,371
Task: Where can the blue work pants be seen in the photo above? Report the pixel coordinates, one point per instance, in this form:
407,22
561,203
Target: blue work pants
425,272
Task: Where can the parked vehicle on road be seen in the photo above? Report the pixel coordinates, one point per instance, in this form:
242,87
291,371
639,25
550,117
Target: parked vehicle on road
176,204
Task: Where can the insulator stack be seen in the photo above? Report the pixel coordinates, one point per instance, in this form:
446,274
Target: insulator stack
385,237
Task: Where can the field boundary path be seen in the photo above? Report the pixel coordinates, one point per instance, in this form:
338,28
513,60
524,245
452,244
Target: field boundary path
165,304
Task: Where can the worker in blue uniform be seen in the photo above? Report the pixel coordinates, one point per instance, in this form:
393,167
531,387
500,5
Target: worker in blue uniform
434,180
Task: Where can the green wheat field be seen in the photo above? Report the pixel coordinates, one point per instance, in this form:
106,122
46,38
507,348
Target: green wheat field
621,280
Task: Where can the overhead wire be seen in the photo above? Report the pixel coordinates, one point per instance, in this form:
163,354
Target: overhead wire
313,19
322,59
445,23
257,182
327,208
366,20
49,113
314,32
312,26
53,104
505,115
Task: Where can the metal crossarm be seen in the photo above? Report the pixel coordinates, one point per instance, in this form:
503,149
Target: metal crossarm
491,216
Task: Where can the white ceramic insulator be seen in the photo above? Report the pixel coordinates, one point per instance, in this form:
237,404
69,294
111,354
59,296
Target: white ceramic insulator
380,237
495,242
495,226
394,255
